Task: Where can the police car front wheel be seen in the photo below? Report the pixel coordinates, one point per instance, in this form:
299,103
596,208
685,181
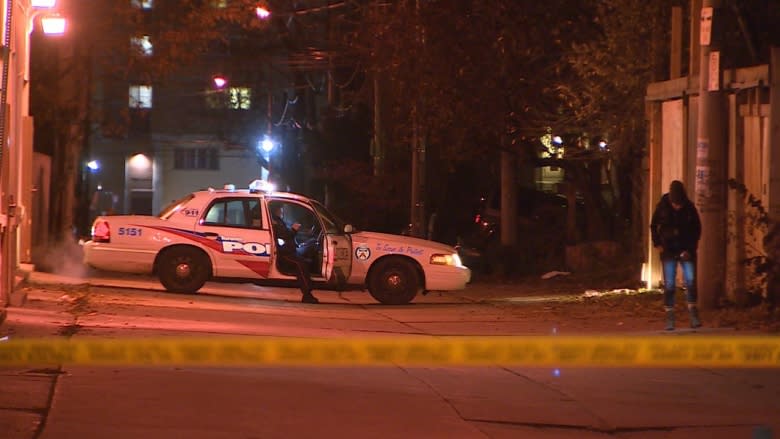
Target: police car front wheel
394,281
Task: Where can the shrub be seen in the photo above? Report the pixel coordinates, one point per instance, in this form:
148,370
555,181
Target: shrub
764,262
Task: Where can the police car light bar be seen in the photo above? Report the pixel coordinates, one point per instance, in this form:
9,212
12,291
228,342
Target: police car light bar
261,186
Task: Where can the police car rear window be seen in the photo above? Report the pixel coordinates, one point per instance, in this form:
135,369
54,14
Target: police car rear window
234,212
174,206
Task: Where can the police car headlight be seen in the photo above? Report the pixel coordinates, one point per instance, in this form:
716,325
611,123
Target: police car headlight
451,259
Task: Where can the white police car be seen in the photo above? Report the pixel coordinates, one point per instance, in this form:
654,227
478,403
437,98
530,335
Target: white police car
225,235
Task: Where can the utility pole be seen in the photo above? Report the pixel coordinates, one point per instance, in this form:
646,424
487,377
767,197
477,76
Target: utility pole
268,117
377,150
418,147
418,179
710,179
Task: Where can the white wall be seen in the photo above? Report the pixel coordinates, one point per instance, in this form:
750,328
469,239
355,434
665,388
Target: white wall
236,166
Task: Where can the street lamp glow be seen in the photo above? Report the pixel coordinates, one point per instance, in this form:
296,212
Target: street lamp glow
262,12
43,3
53,25
139,163
93,165
267,144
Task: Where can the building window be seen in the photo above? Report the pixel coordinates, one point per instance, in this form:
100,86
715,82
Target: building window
143,4
142,45
195,158
234,98
140,96
240,98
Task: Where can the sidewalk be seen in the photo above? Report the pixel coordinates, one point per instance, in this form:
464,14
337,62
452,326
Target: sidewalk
25,393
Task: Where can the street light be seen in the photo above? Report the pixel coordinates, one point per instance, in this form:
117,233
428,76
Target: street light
267,144
265,147
16,132
262,12
43,3
53,24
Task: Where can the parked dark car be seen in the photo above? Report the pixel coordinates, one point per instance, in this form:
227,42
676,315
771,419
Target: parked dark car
541,223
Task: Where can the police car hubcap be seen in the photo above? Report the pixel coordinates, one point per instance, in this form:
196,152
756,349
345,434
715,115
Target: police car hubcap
182,270
394,281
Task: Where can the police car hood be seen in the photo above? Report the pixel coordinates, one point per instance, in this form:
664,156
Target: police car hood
399,240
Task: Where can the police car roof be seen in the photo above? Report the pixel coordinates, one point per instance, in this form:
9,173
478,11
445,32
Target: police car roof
244,191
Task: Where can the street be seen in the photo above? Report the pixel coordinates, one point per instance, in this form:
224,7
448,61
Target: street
381,402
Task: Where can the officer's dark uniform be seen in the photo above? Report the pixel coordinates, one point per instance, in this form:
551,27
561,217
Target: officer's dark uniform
285,250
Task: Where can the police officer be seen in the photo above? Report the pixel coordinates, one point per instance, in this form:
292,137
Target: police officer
286,251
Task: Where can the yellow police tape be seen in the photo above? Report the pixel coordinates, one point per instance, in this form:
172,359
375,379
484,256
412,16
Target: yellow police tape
658,351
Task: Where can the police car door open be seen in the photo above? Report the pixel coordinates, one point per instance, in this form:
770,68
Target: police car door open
337,247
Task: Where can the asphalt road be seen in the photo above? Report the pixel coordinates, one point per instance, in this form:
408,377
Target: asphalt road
56,401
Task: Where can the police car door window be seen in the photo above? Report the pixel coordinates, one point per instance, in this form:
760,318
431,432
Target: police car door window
297,213
255,218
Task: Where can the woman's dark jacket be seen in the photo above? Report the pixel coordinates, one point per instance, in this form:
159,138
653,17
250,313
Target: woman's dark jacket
675,230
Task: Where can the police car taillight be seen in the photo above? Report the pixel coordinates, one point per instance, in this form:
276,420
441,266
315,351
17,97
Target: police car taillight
101,231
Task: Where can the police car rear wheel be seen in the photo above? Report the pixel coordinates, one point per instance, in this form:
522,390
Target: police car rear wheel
183,270
394,281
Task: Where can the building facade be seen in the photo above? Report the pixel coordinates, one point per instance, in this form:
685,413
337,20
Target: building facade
207,124
20,19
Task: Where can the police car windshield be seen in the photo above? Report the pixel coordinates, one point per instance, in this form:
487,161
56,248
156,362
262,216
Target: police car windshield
331,222
174,206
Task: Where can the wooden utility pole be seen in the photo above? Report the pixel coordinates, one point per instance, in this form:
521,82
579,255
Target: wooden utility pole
418,177
710,178
675,57
418,145
377,148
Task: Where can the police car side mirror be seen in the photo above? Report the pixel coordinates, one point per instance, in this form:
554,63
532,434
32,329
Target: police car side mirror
348,228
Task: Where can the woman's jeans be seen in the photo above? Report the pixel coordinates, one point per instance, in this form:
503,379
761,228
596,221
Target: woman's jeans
670,278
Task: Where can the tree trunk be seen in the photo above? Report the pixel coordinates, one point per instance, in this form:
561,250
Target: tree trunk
73,100
572,232
508,199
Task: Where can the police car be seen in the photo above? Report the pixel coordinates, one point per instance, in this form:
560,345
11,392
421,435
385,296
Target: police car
225,235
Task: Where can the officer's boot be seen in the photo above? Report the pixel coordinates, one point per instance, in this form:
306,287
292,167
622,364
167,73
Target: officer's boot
308,297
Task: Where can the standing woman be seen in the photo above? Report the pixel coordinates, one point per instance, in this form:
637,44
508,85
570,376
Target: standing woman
676,230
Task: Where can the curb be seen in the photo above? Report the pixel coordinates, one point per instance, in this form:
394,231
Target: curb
16,297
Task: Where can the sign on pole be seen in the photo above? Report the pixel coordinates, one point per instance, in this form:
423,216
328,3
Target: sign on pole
705,28
714,72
